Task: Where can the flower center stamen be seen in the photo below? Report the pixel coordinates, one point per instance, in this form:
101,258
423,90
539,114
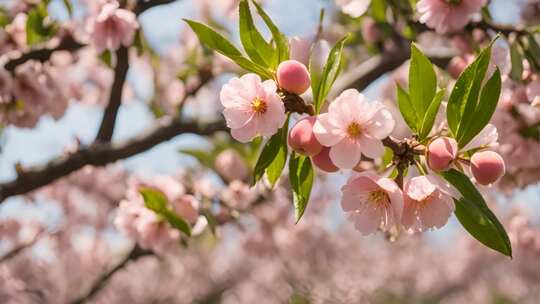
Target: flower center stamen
453,2
258,105
379,197
354,130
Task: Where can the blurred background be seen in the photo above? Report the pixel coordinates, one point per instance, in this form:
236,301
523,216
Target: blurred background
66,239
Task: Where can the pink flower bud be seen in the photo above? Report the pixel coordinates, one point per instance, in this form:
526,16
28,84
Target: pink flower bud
323,161
302,139
456,66
441,152
231,166
370,31
293,77
487,167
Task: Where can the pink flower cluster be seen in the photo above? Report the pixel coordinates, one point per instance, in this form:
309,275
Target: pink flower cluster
146,227
33,91
448,15
112,27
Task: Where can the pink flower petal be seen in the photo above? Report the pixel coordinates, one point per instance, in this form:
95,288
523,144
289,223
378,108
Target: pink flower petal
346,154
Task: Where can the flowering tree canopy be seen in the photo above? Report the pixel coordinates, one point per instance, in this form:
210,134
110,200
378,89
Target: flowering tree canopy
290,140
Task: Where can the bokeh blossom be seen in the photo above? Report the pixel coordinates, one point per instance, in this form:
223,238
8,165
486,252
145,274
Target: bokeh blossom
112,27
448,15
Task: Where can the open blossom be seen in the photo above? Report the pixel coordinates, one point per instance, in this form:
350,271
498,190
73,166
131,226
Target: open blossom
354,8
112,27
426,204
353,126
448,15
372,202
252,107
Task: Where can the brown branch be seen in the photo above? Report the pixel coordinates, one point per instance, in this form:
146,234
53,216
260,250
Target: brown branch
100,154
143,6
102,281
106,129
68,43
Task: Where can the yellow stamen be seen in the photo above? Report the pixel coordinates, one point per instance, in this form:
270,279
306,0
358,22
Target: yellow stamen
258,105
354,130
379,197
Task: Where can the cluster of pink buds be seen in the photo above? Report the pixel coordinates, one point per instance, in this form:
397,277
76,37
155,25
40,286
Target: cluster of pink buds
486,166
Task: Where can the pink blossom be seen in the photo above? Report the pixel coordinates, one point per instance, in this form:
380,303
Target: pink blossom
426,205
353,126
300,49
372,202
231,166
239,195
533,90
354,8
112,27
252,107
448,15
188,207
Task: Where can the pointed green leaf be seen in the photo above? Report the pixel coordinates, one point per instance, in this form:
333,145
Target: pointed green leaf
156,201
517,63
468,112
269,153
485,109
465,92
431,114
274,170
406,108
301,177
220,44
281,41
475,216
255,45
330,73
422,81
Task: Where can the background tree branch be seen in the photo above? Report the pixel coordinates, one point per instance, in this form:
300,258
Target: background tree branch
106,129
100,154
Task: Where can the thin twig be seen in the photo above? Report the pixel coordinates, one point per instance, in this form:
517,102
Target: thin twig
102,281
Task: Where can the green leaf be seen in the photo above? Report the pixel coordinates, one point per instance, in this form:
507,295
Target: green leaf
378,10
212,222
274,170
177,221
69,7
484,110
406,108
220,44
422,81
475,216
206,159
533,49
269,153
468,113
301,176
330,73
517,63
37,29
107,58
255,45
465,92
281,41
156,201
431,114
